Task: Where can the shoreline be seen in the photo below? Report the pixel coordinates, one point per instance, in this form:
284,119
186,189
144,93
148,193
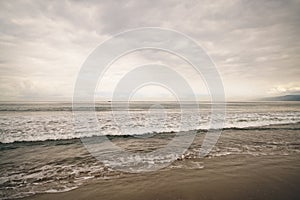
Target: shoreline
226,177
252,163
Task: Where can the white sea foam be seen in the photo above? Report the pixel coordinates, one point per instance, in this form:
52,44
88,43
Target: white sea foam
59,125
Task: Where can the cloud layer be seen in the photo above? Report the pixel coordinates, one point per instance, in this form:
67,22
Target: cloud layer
254,44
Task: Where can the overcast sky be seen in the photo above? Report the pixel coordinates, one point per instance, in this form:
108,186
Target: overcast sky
43,44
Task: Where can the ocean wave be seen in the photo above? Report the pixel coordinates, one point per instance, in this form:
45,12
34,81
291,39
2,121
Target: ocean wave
21,126
64,140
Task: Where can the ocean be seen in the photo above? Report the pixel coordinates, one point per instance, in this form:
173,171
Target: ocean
41,150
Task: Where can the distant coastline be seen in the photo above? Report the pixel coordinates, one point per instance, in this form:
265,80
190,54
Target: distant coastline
282,98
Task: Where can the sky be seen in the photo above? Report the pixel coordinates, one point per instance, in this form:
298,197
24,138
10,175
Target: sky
254,45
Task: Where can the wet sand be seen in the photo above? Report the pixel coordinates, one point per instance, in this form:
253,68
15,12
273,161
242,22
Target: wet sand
227,177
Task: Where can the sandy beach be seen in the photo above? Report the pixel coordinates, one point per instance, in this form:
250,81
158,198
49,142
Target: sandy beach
230,177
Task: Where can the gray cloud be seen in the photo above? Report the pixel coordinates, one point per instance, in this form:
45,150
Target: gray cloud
254,44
